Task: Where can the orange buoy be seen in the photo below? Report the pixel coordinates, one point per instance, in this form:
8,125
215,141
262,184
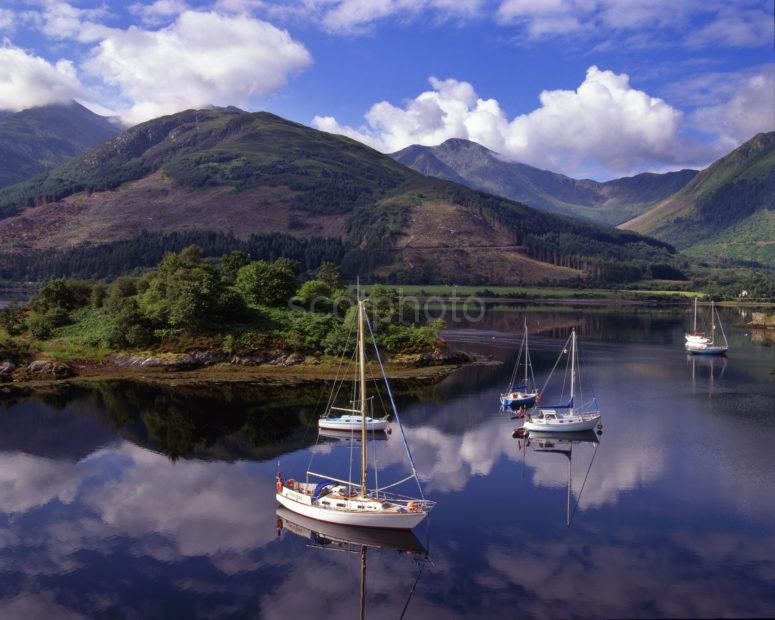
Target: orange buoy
279,486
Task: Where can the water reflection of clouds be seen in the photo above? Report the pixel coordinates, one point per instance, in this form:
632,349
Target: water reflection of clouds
449,461
641,570
168,511
27,482
35,606
204,507
325,583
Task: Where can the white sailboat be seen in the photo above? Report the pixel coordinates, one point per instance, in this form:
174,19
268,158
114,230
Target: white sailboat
565,417
346,502
698,343
351,422
523,394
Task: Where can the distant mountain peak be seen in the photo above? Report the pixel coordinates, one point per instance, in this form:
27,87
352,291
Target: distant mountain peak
472,164
463,143
37,139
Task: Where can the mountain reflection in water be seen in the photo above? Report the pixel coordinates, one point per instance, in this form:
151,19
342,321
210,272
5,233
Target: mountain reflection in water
139,501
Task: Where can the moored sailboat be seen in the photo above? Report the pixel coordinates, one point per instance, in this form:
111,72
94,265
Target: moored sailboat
346,502
522,394
565,416
698,343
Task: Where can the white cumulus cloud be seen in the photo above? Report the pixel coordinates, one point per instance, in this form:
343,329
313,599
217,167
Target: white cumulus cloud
750,110
604,126
61,20
202,58
27,81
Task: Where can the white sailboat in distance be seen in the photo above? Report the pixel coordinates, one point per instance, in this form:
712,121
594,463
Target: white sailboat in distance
347,502
567,416
522,394
698,343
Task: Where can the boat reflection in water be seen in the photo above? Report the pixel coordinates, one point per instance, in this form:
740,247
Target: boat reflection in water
355,540
716,366
554,443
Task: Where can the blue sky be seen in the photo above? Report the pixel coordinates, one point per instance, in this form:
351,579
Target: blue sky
596,88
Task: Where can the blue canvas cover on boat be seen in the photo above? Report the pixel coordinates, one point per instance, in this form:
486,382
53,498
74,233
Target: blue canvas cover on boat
319,488
566,405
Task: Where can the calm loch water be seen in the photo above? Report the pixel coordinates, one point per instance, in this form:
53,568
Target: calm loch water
127,501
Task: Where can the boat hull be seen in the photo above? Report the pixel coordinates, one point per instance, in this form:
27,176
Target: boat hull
331,424
588,423
388,521
527,401
707,350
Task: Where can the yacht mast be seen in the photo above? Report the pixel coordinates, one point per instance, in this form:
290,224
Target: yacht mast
713,322
527,354
695,315
573,365
362,368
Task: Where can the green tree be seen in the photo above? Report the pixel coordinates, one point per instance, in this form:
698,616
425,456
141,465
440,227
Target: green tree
129,327
313,290
269,284
191,255
231,264
98,293
12,319
382,305
188,293
66,295
121,289
331,275
194,301
40,326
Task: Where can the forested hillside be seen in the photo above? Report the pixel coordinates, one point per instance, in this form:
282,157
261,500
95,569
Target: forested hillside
727,211
238,174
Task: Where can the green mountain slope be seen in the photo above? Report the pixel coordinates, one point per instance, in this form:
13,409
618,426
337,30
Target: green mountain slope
230,172
38,139
611,202
727,211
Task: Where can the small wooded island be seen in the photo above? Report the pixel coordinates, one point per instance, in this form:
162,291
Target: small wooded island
231,319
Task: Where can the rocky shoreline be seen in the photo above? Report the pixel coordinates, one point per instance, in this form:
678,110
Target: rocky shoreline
210,367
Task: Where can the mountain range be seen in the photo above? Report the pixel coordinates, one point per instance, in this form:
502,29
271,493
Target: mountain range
227,171
726,211
39,139
610,202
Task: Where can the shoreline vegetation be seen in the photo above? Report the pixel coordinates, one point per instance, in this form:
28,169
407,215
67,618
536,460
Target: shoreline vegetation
195,320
